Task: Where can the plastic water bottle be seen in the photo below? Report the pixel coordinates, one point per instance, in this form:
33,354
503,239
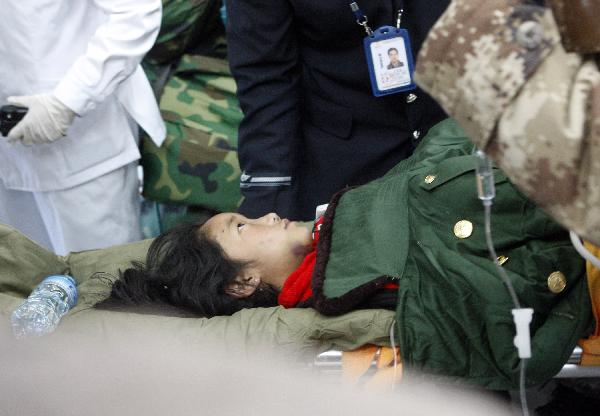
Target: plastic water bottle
41,312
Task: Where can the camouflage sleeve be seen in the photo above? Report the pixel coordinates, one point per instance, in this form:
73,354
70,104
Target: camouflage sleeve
534,108
548,141
478,56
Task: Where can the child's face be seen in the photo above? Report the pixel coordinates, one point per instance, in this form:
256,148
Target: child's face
274,247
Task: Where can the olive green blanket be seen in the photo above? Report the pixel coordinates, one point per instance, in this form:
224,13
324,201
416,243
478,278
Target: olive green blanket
301,332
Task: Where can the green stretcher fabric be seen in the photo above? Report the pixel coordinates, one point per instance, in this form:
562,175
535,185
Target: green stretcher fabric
299,332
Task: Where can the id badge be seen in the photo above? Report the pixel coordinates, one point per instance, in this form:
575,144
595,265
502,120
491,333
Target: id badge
390,61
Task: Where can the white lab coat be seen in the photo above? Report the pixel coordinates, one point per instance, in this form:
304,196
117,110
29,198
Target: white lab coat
86,52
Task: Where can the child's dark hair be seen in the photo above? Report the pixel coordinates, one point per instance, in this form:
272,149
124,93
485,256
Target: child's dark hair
187,270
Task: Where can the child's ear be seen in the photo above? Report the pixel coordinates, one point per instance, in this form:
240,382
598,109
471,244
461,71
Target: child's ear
239,291
244,285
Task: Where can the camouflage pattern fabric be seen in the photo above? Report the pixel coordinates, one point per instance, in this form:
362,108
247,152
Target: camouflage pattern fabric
499,68
158,217
181,23
197,164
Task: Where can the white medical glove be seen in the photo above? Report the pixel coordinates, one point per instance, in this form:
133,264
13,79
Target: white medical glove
47,119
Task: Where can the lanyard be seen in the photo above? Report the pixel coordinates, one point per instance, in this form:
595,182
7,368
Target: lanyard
362,19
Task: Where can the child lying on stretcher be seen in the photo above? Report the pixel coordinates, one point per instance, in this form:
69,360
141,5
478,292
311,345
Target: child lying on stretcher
412,241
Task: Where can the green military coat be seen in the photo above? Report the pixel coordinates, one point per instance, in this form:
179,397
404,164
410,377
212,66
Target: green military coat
423,225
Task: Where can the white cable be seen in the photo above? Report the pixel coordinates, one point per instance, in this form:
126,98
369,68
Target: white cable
393,344
488,238
576,241
487,205
522,390
522,317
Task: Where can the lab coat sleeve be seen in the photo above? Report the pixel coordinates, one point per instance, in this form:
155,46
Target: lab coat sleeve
113,53
264,60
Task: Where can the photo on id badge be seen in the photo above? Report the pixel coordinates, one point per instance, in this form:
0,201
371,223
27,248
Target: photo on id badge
390,65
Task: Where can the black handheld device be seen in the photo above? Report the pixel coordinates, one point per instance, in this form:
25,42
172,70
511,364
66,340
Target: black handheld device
10,115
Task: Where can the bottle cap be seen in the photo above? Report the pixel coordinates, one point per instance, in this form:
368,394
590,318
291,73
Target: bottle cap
67,283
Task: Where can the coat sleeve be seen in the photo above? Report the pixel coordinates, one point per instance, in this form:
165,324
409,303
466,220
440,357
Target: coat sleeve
113,53
495,49
522,98
263,55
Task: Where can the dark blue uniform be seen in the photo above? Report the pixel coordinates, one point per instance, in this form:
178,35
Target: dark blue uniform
311,124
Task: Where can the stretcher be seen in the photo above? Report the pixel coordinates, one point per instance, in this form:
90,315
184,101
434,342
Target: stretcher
301,333
330,362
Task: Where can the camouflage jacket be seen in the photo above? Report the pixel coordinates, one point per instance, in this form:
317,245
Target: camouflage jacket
499,68
197,165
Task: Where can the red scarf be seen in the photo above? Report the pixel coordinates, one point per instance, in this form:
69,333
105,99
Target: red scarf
298,286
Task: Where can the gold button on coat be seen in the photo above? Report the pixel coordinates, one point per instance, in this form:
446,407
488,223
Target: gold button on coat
429,179
502,260
463,229
557,282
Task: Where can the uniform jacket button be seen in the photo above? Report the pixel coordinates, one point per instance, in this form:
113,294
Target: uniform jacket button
501,260
557,282
463,229
429,179
411,97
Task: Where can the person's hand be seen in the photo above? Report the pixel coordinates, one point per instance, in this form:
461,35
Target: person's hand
47,119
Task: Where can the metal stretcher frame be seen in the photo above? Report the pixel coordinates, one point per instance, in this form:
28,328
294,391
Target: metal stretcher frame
331,361
572,369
